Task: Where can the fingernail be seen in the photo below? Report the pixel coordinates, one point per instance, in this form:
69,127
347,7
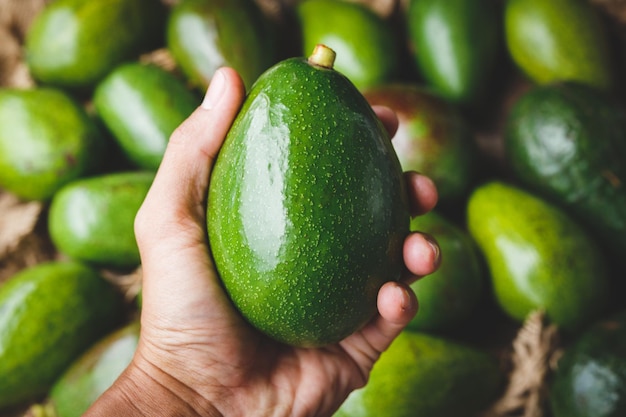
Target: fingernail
215,90
405,298
432,242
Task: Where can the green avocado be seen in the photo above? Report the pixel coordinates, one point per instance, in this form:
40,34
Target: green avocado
89,376
455,45
567,142
47,139
307,210
203,35
92,219
141,105
50,314
75,43
450,295
433,138
538,256
590,378
426,375
559,40
366,46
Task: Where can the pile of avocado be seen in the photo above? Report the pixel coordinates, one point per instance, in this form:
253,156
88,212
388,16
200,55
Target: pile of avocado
514,108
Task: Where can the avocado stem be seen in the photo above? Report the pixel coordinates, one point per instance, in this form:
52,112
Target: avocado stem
322,56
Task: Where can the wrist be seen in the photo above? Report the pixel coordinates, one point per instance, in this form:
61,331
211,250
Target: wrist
144,391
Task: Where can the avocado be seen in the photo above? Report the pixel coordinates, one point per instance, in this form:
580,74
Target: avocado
559,40
307,210
426,375
366,45
75,43
590,377
47,139
92,219
455,45
450,295
203,35
50,314
567,142
539,258
89,376
141,105
433,138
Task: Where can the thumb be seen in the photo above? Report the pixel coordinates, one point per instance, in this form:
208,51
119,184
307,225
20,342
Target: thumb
178,193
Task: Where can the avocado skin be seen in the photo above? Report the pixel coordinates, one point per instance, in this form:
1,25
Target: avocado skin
75,43
450,295
141,105
559,40
455,45
433,138
94,371
307,211
590,378
426,375
49,314
203,35
366,45
567,142
538,256
42,150
92,219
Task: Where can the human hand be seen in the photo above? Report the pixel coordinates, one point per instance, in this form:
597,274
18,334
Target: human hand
197,356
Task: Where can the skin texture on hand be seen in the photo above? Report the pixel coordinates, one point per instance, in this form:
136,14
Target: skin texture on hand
196,355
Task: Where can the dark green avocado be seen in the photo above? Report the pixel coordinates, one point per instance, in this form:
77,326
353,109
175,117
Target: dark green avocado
307,211
50,314
590,378
203,35
450,295
75,43
456,45
567,142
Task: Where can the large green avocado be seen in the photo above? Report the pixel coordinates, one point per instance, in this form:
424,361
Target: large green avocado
92,219
75,43
203,35
49,315
567,142
433,138
307,211
559,40
141,105
425,375
366,46
450,295
93,372
47,139
455,45
539,258
590,378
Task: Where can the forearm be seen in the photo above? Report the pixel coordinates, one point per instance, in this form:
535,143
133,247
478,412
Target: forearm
138,394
